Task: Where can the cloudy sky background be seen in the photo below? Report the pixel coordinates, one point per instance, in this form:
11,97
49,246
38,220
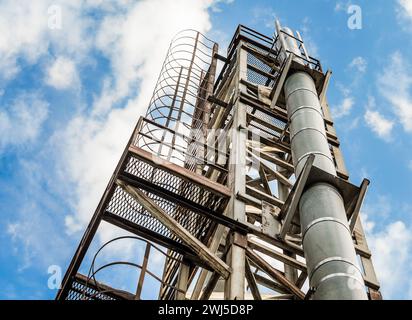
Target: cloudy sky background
70,96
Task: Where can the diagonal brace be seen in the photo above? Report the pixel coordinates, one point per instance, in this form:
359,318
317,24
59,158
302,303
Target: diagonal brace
252,282
198,247
295,197
358,204
279,87
275,274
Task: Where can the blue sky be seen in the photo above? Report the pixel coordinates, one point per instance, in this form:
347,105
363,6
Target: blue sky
71,90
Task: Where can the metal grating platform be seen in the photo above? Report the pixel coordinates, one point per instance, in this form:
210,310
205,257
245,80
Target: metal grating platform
174,181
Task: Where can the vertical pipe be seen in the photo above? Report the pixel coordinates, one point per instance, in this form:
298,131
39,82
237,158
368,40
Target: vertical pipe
326,237
327,241
235,284
281,44
303,48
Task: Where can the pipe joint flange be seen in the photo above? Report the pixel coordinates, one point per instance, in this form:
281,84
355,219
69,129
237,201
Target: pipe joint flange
315,109
341,275
301,89
315,153
325,219
332,259
308,128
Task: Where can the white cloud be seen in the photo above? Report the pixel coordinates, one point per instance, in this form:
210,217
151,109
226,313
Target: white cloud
395,84
379,124
89,157
136,42
21,122
131,48
338,6
344,108
32,238
21,40
359,63
34,229
311,46
28,37
392,257
215,5
62,74
354,124
381,208
342,5
264,15
406,6
134,36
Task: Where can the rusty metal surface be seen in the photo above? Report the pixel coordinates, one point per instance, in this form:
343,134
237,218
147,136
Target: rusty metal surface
175,162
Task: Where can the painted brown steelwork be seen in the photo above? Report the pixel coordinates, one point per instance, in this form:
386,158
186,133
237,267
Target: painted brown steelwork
172,123
177,164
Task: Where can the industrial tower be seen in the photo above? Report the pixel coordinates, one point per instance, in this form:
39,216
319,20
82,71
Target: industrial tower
237,179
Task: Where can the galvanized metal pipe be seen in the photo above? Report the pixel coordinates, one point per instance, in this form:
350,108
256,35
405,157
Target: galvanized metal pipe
327,242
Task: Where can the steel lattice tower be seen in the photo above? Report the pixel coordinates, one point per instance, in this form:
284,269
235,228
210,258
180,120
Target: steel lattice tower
237,179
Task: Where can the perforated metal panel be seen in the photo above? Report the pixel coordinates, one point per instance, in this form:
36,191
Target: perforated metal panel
79,291
124,206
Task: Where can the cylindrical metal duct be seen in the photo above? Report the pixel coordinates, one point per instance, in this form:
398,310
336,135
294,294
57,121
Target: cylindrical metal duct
327,241
290,42
287,44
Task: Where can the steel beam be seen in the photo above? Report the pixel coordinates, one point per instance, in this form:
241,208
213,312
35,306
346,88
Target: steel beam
275,274
289,208
235,284
198,247
143,272
217,237
252,282
358,204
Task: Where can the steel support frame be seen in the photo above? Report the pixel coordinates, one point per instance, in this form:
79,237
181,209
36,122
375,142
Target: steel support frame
235,239
236,257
